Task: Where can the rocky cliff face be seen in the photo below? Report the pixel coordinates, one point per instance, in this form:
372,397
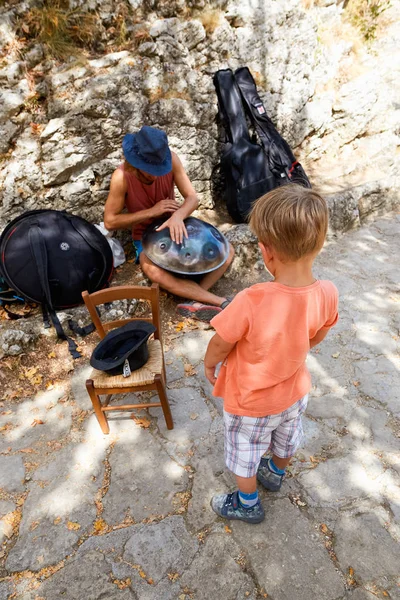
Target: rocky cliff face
332,97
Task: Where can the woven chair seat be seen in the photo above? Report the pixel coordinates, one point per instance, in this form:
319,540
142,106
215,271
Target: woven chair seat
143,376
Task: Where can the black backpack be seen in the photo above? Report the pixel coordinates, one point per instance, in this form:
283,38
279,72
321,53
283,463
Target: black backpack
51,257
250,169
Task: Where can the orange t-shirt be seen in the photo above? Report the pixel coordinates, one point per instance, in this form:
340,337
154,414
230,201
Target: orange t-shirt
271,326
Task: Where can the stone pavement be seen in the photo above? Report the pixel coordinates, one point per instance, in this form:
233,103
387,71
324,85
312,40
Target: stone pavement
127,516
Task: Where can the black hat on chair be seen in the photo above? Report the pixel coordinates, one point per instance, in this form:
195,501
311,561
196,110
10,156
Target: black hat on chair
124,349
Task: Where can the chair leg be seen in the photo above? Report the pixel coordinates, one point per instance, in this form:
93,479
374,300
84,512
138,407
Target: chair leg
162,392
101,417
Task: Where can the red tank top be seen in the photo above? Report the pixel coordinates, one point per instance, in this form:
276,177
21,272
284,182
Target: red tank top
140,196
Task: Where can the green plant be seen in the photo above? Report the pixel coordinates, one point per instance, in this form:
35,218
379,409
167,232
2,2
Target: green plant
366,15
59,28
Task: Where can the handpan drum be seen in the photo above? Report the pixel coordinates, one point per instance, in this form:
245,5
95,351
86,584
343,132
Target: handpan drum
205,250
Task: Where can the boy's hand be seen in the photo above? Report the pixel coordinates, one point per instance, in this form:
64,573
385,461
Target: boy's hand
210,374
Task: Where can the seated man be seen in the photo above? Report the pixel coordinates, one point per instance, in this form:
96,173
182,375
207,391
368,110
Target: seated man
144,184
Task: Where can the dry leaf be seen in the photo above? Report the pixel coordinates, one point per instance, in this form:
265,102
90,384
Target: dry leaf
51,354
324,528
37,380
179,326
173,576
27,450
37,422
25,28
351,571
57,520
150,581
100,525
6,427
194,416
189,370
29,373
122,583
142,574
356,383
336,355
228,529
143,422
73,526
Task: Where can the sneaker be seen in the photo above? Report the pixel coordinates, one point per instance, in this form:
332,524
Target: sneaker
196,310
228,506
268,478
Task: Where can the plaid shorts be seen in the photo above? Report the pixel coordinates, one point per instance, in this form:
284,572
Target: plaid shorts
248,438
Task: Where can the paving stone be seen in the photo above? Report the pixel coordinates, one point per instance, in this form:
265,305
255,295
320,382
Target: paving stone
193,345
287,555
59,508
326,407
4,590
161,548
144,479
316,438
88,578
192,419
6,506
112,547
360,594
215,572
6,529
379,379
209,479
341,480
78,387
373,338
363,543
329,375
12,473
23,433
174,367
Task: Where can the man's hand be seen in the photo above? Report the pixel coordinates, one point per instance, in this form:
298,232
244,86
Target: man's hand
210,374
177,228
164,206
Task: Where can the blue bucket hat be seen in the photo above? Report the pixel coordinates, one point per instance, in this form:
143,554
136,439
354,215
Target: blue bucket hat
148,151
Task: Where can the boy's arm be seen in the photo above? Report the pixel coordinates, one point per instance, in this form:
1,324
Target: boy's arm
217,351
317,339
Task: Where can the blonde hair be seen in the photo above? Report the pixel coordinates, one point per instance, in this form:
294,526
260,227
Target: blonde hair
291,219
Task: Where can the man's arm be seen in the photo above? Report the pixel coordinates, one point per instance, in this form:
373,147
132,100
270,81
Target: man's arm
113,216
175,222
217,351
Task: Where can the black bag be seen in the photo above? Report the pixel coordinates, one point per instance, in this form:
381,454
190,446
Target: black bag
245,170
248,168
281,159
51,257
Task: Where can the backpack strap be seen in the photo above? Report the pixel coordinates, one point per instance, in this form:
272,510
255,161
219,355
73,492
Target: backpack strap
39,253
278,151
230,108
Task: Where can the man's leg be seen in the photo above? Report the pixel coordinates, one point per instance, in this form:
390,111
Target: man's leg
177,286
208,280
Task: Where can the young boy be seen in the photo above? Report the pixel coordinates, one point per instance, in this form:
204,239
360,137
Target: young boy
262,339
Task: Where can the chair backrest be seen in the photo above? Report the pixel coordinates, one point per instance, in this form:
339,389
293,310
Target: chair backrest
124,292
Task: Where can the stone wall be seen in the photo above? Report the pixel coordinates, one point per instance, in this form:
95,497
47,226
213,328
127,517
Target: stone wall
334,99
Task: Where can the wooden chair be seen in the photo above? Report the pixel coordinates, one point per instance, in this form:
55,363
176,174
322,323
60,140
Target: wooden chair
150,377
